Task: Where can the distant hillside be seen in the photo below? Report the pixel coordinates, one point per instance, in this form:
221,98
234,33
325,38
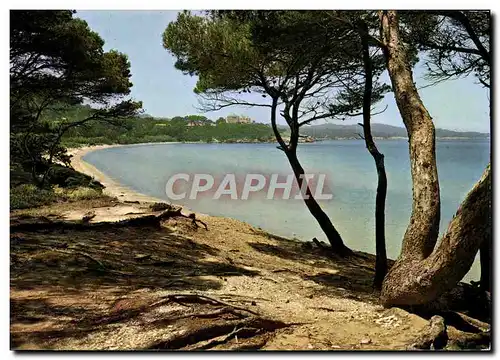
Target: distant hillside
335,131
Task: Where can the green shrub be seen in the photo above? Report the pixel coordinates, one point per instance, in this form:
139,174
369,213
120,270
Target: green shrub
28,196
66,177
82,193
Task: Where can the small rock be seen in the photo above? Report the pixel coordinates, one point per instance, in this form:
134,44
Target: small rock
335,347
254,303
287,301
309,346
365,341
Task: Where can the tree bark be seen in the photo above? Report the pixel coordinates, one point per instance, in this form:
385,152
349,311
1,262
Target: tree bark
423,230
419,282
380,248
422,273
314,208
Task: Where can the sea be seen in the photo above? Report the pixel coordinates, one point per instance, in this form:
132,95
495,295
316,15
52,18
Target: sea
348,169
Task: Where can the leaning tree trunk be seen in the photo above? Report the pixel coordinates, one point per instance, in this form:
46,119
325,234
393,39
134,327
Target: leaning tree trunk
314,208
380,249
422,273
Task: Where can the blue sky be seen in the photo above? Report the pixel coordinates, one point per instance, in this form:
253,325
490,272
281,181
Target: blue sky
166,92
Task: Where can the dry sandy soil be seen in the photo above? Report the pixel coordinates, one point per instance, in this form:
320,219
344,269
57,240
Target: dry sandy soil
92,286
110,275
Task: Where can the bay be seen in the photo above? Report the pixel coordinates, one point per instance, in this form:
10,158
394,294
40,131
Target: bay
350,173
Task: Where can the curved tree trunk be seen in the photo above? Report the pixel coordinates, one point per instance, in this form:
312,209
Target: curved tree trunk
423,230
380,248
314,208
418,282
422,273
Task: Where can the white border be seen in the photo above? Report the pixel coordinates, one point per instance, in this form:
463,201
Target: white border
188,4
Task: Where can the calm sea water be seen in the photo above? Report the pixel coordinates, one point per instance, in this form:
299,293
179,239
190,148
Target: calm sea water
351,178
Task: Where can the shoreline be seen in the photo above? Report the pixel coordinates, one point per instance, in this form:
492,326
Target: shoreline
111,187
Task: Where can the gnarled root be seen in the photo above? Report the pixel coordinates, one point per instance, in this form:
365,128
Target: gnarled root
438,336
434,337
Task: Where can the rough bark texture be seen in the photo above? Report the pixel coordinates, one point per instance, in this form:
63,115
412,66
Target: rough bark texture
423,230
414,282
421,274
381,255
314,208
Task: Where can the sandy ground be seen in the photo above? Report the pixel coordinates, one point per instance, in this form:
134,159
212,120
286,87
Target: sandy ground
60,302
100,284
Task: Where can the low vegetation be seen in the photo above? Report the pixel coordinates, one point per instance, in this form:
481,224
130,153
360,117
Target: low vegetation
146,129
29,196
64,184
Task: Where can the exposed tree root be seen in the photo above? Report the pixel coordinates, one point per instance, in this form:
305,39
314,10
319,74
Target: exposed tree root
440,337
464,298
197,298
204,315
195,220
101,266
206,329
247,327
460,340
123,314
435,336
475,322
148,220
243,332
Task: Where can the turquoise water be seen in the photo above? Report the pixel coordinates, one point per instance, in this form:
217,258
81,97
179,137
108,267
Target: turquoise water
351,178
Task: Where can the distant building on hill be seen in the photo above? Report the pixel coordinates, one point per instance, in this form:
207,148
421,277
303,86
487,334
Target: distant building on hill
200,122
236,119
191,123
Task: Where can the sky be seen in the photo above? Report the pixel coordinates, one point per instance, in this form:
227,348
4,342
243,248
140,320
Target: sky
459,105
